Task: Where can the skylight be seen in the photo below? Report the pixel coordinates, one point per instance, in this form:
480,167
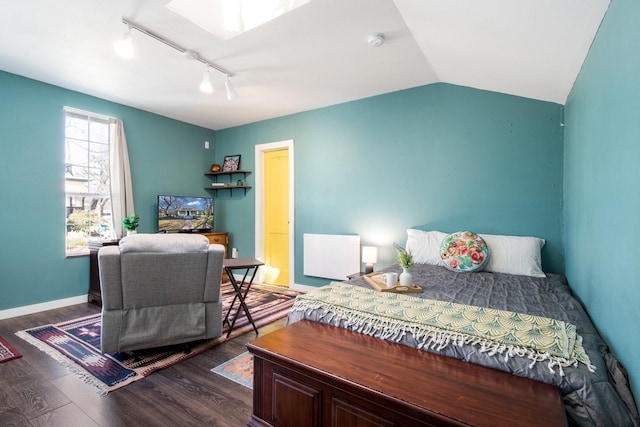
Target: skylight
228,18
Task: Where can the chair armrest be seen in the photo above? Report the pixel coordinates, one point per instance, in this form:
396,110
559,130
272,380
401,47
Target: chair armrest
110,277
214,273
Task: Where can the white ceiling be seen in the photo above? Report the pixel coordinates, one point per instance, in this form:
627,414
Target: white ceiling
313,57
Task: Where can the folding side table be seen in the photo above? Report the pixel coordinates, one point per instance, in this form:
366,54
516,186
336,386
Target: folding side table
241,289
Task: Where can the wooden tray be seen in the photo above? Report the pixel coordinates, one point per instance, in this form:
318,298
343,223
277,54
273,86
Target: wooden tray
373,280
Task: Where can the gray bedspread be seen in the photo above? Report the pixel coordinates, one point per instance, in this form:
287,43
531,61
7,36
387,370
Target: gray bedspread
600,398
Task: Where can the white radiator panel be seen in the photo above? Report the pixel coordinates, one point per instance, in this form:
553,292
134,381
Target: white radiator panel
331,256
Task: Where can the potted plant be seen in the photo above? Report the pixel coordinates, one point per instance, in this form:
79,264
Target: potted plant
405,260
130,223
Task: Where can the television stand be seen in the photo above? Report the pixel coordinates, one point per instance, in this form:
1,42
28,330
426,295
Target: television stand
218,238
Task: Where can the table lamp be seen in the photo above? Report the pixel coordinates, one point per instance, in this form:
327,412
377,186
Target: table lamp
369,257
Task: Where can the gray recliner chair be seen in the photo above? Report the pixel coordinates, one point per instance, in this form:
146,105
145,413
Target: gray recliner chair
158,290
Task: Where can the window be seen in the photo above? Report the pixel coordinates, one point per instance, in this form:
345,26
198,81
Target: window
87,182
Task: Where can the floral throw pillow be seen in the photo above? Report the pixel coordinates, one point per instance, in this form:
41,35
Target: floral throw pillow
464,251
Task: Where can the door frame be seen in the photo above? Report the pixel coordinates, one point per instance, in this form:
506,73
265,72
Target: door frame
260,149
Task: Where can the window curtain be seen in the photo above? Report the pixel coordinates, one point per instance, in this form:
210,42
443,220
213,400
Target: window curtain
120,176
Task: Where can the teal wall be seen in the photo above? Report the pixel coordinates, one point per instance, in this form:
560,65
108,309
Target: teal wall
449,157
435,157
602,174
166,156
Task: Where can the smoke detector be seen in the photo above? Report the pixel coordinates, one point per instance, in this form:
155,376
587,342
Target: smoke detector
375,39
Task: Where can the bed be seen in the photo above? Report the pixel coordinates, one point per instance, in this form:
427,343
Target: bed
594,385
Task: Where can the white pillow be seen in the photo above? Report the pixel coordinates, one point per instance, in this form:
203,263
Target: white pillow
514,255
425,246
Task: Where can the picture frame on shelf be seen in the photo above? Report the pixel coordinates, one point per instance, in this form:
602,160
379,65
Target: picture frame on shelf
231,163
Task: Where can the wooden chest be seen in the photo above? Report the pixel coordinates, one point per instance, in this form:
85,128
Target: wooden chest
311,374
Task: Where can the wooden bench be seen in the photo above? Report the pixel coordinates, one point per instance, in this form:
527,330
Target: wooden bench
310,374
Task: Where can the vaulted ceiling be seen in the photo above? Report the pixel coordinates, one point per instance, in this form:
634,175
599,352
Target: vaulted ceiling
312,57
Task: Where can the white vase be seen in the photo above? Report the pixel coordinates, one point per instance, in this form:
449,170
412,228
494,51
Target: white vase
130,232
406,279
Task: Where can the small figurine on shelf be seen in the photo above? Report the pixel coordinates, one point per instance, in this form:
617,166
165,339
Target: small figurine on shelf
240,183
130,223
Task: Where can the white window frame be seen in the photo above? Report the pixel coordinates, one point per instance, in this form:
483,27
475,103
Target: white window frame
81,231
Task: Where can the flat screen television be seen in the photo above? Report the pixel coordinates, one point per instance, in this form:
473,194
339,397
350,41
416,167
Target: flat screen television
181,214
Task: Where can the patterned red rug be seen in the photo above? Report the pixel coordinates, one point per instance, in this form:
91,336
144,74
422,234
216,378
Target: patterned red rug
7,352
76,343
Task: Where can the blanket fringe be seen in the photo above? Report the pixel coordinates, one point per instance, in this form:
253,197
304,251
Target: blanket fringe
427,337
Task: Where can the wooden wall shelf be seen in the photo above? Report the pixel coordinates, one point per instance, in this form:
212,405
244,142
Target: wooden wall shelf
230,186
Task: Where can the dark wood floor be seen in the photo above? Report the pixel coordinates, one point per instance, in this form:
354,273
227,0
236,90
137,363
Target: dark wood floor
35,390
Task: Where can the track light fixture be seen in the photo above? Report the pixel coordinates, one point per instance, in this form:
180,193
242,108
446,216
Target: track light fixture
124,48
231,93
205,85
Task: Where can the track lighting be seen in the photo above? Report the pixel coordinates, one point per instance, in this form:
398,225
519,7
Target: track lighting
231,93
205,85
124,46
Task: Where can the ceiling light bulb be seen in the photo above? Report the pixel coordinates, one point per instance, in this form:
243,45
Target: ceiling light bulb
231,93
124,46
206,85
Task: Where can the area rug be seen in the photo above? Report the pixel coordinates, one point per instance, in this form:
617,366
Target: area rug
7,352
239,369
76,343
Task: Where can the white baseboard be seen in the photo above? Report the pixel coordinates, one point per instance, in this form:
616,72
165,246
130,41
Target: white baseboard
294,287
302,288
36,308
50,305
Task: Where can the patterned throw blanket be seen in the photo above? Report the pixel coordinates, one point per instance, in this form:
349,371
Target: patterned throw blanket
437,324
